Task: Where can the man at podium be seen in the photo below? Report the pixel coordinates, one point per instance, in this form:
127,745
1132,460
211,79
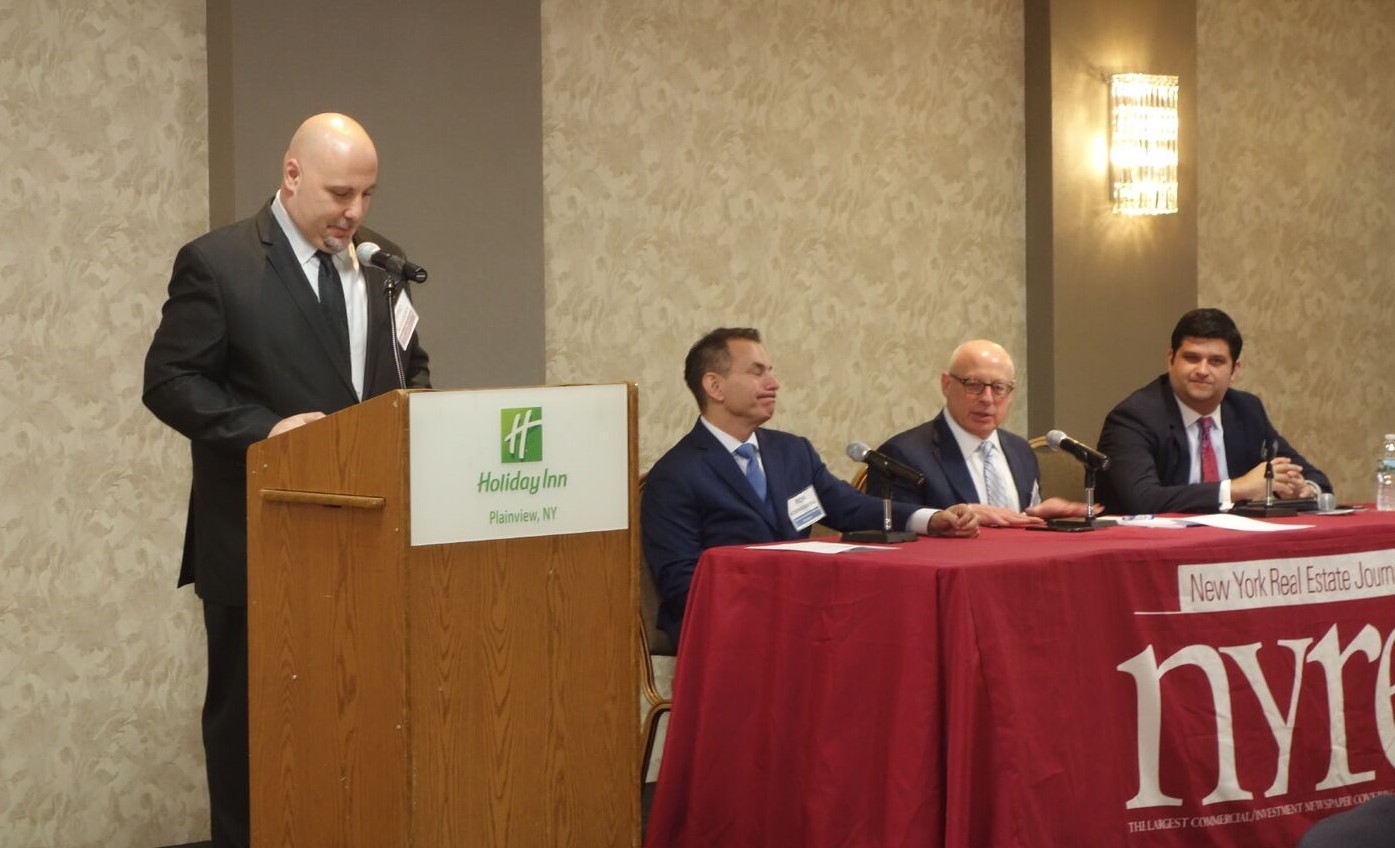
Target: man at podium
270,323
732,482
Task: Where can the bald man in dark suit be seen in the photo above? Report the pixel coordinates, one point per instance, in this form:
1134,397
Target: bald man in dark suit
270,323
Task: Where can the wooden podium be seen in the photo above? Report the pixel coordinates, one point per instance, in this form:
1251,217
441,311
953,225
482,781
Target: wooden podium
477,693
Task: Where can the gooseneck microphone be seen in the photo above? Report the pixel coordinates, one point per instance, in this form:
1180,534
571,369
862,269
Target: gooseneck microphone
859,452
370,254
1059,441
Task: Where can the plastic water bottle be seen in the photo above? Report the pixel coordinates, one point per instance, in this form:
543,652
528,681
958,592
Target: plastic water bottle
1385,475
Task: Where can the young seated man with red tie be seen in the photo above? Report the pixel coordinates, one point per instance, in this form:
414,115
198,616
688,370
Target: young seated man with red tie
730,481
1188,442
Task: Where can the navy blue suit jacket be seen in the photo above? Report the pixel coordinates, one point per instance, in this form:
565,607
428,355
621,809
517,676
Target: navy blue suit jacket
1150,458
931,449
695,497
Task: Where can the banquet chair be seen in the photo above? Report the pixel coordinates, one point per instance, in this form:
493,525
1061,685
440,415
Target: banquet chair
1061,475
654,643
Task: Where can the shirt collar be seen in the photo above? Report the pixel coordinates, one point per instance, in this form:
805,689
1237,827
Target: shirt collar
1191,416
968,442
728,440
302,248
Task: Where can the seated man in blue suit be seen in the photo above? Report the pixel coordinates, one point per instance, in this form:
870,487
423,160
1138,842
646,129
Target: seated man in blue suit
730,482
1188,442
963,453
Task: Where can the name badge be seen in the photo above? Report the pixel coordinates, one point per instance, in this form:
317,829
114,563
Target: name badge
805,509
406,316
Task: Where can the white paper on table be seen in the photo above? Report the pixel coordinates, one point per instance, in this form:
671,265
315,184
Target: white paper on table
811,547
1145,521
1226,521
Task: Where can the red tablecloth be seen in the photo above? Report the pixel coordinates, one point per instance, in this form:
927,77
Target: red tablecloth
1124,687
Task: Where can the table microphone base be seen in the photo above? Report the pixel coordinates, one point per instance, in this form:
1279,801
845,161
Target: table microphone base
1069,525
879,537
1261,510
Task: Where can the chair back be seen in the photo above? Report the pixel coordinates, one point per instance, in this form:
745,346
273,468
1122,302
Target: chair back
656,642
653,643
1061,475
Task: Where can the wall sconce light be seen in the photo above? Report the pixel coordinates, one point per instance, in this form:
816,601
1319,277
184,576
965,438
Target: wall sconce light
1143,143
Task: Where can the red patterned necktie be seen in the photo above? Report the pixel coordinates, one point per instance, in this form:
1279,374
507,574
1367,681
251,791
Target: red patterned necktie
1209,472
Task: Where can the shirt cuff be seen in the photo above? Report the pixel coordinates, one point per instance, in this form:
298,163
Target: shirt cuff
919,522
1225,496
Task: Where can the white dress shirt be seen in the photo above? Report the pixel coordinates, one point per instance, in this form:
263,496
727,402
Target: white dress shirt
973,457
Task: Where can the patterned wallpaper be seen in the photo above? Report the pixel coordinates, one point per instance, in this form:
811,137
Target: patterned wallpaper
1296,223
103,159
847,177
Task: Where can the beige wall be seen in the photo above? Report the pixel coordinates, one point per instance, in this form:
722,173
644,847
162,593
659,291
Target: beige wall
104,158
1297,218
848,177
840,174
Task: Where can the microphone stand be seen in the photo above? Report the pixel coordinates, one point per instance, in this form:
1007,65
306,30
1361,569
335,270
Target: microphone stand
886,535
1270,508
1090,495
1078,525
391,283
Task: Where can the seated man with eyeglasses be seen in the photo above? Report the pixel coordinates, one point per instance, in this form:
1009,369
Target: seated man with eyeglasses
1174,444
964,455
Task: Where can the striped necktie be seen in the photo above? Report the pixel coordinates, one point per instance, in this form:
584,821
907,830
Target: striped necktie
992,483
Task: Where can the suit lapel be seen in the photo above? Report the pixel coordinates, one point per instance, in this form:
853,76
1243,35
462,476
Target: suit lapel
1243,449
952,461
724,466
775,488
376,348
282,260
1178,471
1020,467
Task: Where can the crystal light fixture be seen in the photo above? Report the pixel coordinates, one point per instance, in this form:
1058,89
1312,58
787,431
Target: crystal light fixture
1143,143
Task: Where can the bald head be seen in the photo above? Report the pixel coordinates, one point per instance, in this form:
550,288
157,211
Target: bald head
327,179
980,351
982,363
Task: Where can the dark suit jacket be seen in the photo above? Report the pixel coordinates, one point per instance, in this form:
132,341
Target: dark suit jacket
1368,825
695,497
1150,458
242,343
931,449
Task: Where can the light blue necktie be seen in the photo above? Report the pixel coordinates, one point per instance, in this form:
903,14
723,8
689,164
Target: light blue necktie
754,475
992,483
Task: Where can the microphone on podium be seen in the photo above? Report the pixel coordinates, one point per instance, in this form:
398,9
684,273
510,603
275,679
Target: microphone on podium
370,254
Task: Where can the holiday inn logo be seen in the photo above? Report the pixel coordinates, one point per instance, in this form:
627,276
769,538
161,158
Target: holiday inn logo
521,433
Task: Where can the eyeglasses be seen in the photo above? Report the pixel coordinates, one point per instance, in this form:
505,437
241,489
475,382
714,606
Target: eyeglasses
976,387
